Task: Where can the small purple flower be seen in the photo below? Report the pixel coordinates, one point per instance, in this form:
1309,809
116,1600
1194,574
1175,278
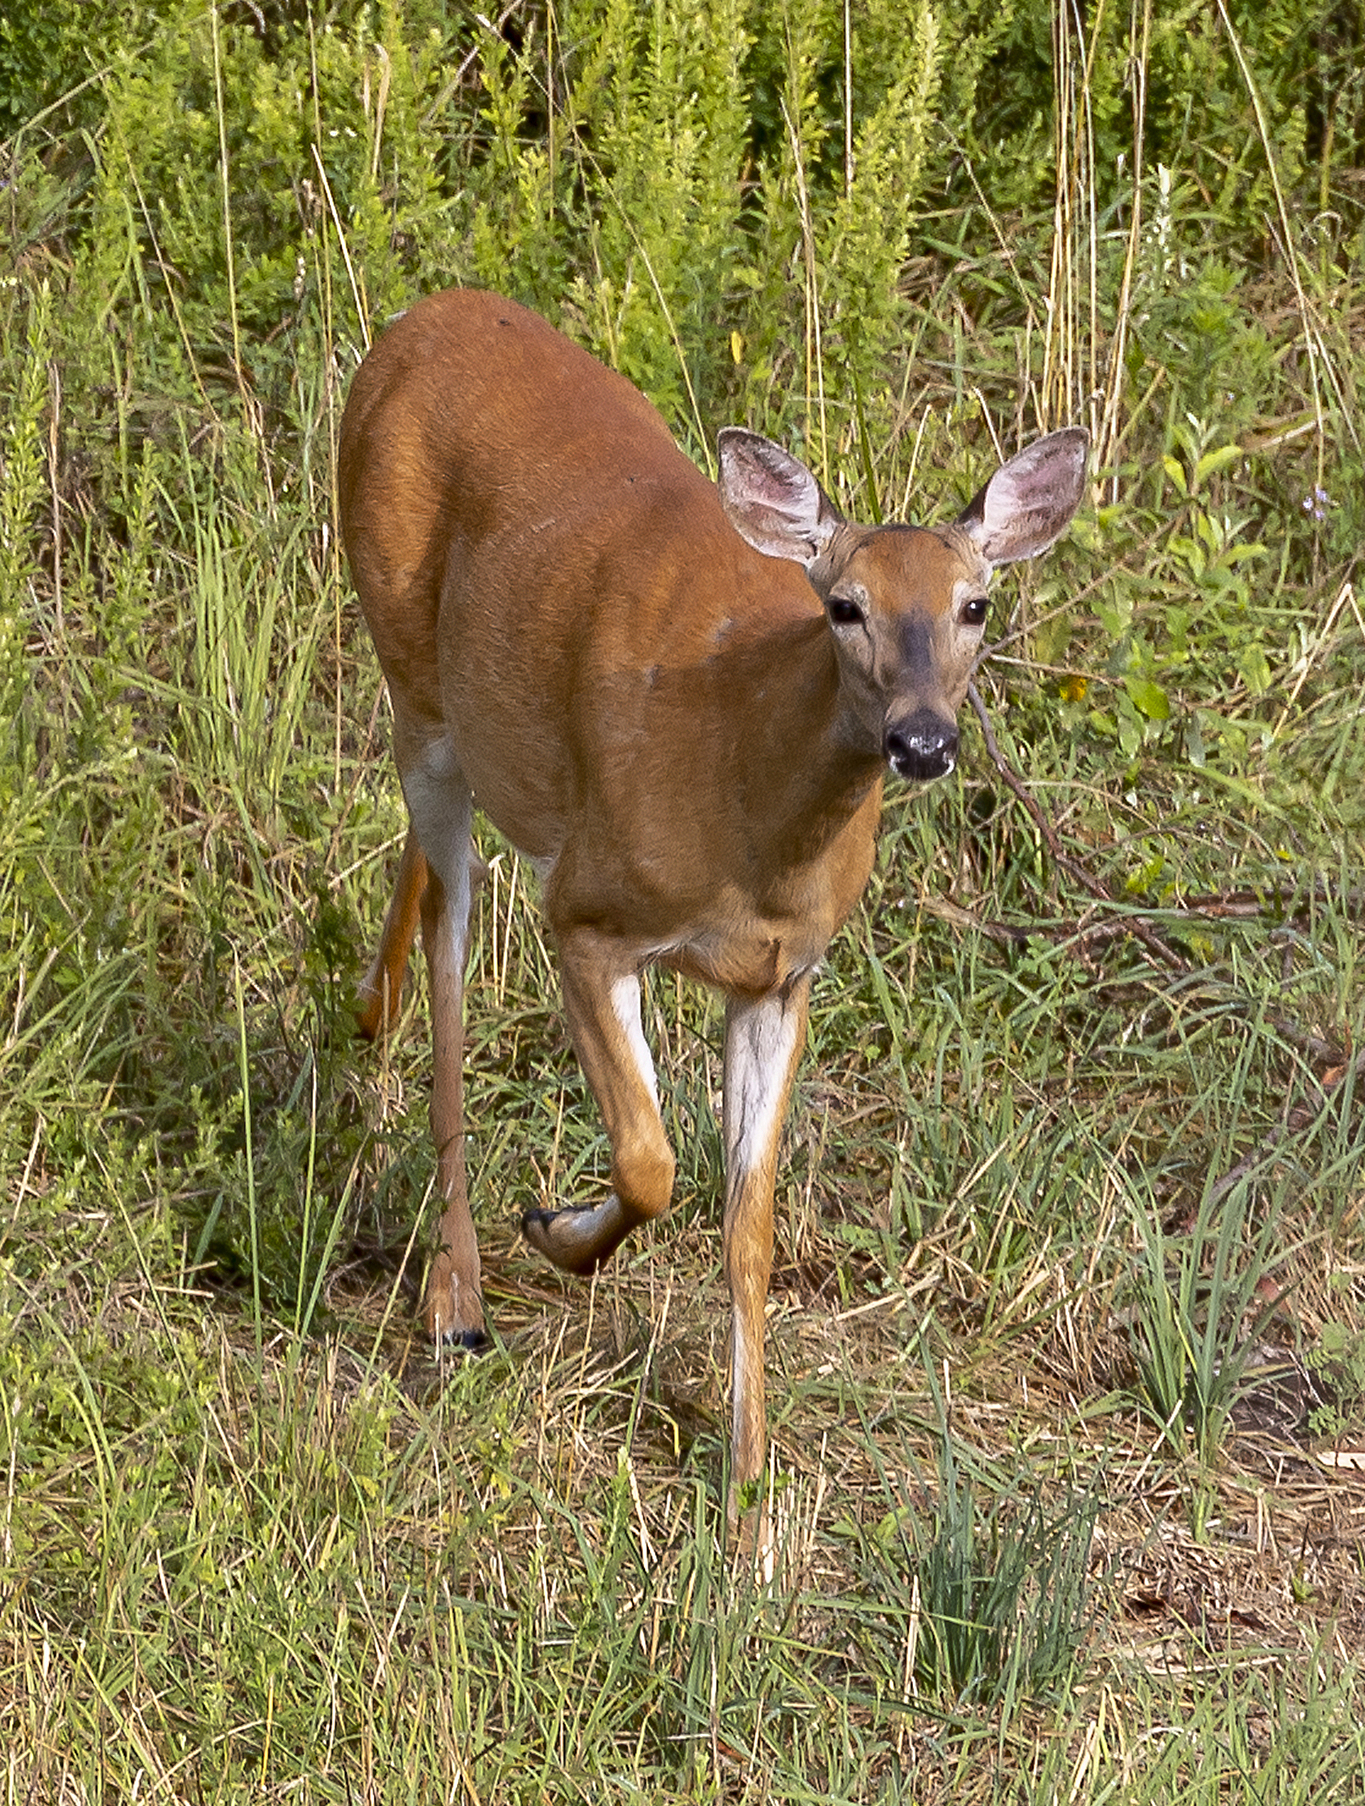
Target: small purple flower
1317,503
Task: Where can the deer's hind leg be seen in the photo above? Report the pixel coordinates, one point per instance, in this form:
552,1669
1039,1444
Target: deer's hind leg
381,988
442,811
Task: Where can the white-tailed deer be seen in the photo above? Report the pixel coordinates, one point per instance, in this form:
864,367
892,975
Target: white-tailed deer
677,699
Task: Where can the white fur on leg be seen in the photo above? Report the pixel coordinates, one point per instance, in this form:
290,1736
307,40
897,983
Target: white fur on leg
442,812
758,1057
761,1044
625,1003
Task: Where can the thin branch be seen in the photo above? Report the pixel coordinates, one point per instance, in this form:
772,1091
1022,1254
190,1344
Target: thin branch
1155,943
1301,1117
1127,922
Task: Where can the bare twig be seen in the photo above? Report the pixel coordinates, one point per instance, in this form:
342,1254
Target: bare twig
1155,944
1297,1119
1234,905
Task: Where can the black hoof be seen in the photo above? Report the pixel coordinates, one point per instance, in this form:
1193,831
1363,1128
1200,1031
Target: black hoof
541,1219
468,1341
538,1226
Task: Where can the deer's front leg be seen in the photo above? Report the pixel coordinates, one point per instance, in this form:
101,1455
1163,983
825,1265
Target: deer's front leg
602,1002
763,1041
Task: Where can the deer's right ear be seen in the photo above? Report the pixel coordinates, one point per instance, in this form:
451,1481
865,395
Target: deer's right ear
771,499
1027,503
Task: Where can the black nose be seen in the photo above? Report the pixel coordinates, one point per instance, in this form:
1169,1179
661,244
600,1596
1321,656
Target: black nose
924,747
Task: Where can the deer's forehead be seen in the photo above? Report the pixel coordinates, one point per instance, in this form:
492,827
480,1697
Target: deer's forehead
924,567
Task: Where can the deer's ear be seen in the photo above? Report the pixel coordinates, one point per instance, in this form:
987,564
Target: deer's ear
771,499
1026,505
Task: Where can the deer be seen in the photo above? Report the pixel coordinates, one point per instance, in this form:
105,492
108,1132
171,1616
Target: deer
678,699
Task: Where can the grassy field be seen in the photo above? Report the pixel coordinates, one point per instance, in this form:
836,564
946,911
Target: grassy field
1066,1344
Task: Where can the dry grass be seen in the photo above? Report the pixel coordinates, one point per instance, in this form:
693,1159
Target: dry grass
1082,1095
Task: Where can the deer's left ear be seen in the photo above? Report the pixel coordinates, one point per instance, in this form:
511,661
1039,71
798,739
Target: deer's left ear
1026,505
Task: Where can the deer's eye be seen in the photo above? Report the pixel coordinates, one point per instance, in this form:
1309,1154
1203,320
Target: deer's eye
843,612
974,612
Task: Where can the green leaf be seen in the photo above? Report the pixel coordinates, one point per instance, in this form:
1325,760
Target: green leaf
1148,697
1254,668
1194,743
1214,461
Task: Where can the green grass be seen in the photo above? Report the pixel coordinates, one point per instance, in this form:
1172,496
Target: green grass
1065,1343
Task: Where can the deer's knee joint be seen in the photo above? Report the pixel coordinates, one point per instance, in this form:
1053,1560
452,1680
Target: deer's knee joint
642,1177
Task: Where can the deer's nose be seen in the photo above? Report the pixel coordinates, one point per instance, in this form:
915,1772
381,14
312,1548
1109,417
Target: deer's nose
922,746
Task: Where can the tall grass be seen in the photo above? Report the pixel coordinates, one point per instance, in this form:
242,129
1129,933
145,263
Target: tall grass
1070,1233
